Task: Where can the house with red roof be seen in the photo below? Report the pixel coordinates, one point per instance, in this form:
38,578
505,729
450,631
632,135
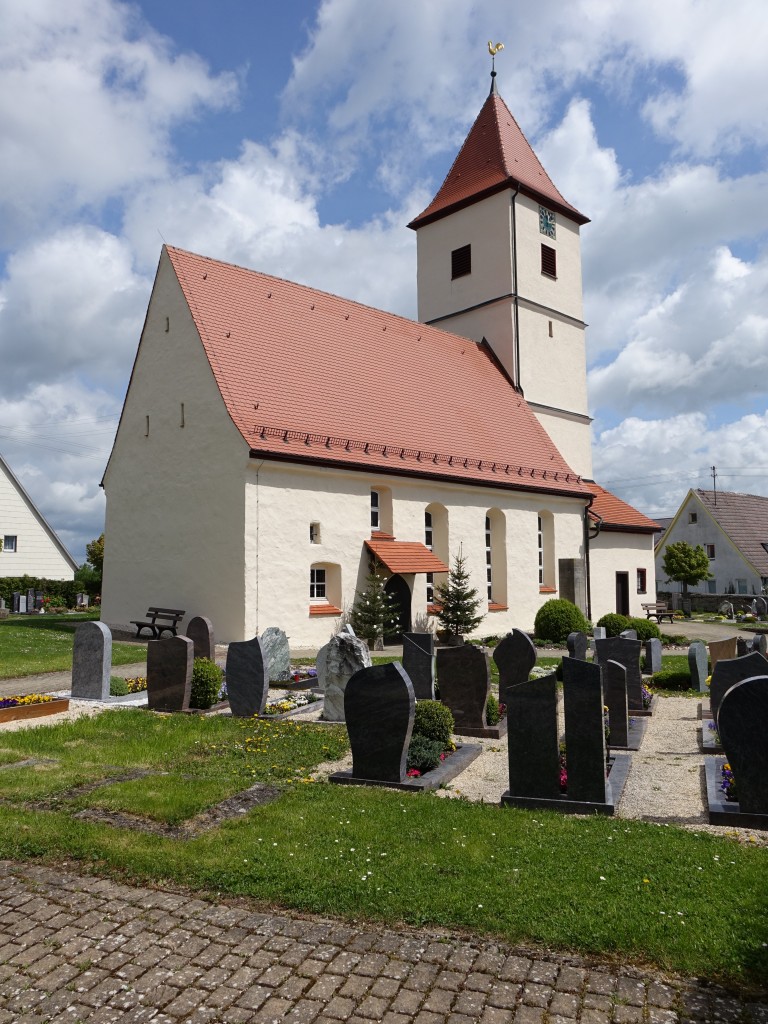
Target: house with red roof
275,438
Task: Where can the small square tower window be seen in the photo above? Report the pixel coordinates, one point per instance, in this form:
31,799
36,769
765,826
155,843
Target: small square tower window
461,262
710,550
641,581
548,260
693,517
9,542
375,516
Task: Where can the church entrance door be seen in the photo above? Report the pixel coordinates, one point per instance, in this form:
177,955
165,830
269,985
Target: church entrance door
399,589
622,593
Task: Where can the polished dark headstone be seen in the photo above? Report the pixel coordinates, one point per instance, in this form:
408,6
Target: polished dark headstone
515,656
277,654
464,677
200,632
169,673
419,663
379,706
532,739
91,661
722,650
730,671
615,685
743,726
627,653
742,647
577,644
698,665
584,730
652,656
247,682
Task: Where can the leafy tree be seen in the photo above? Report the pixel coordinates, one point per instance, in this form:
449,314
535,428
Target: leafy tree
88,576
686,564
95,553
457,601
375,613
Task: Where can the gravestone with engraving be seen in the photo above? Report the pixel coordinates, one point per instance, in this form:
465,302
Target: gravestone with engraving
274,643
91,661
464,678
627,652
200,632
22,604
585,752
615,679
247,680
652,656
722,649
379,708
337,662
532,740
729,671
577,644
743,724
698,665
169,673
515,656
726,608
419,663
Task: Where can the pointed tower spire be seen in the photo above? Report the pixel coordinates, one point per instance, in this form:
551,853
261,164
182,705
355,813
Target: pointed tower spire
493,49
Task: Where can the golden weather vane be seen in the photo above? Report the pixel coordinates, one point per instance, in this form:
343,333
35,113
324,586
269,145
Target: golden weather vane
493,49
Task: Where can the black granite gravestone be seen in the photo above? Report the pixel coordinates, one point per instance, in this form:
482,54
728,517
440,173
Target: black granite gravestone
615,679
247,682
169,673
515,656
627,653
743,725
532,739
379,708
584,730
729,671
698,665
464,677
200,632
577,644
419,663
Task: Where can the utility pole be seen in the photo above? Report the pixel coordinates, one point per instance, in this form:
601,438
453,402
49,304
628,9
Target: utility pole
713,471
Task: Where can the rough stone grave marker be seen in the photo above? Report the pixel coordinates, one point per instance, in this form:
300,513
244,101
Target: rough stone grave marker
743,725
577,644
169,673
730,671
627,652
722,649
200,632
419,663
247,681
584,731
91,661
464,678
698,665
277,653
515,655
337,662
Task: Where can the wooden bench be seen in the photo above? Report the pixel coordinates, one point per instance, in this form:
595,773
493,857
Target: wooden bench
658,611
159,620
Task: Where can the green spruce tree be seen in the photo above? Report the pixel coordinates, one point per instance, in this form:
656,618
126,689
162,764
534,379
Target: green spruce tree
458,602
375,613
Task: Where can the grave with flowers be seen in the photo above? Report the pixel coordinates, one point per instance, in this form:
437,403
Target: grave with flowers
31,705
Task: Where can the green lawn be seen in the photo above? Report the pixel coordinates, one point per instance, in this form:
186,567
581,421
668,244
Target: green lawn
683,901
31,644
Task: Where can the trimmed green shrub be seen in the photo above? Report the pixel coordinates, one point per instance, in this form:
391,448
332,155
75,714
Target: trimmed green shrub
207,678
492,712
118,687
557,618
646,629
434,721
614,624
423,754
671,679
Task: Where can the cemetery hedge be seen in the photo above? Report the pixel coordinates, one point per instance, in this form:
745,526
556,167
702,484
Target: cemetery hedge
61,592
557,618
613,623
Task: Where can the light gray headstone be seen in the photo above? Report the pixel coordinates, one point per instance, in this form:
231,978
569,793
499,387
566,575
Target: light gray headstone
91,661
652,656
277,653
762,606
577,644
599,633
629,634
698,665
348,629
337,662
760,644
22,604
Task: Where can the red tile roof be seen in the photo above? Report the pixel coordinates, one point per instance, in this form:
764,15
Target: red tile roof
405,556
495,155
616,514
744,518
310,377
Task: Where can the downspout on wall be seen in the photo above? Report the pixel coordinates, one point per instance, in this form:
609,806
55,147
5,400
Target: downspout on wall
518,386
587,537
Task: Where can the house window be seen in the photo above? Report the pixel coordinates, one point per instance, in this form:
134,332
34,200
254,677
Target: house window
710,551
428,544
314,533
546,551
693,517
317,584
741,587
461,262
712,586
488,561
375,517
9,542
641,581
548,260
541,554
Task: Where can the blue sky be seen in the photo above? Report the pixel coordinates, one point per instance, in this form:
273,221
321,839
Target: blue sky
299,138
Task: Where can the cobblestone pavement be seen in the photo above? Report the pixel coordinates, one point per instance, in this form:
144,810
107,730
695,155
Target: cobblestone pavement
76,949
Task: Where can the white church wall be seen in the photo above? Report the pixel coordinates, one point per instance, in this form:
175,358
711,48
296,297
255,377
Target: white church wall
616,551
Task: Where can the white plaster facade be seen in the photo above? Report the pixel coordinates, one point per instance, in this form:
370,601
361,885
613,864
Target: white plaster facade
614,554
28,545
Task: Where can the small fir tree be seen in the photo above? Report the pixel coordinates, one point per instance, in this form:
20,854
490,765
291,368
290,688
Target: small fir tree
686,564
375,613
457,601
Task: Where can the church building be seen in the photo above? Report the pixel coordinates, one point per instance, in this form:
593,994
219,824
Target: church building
274,438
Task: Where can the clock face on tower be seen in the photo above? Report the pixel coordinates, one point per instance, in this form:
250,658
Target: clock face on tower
546,222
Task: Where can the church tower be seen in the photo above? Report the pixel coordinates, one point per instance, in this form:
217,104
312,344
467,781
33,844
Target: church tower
499,258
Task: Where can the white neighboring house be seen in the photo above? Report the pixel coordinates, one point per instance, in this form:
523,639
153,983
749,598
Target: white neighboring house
28,544
274,437
733,530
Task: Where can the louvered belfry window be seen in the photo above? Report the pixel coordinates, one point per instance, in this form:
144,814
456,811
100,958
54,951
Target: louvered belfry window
548,260
461,262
